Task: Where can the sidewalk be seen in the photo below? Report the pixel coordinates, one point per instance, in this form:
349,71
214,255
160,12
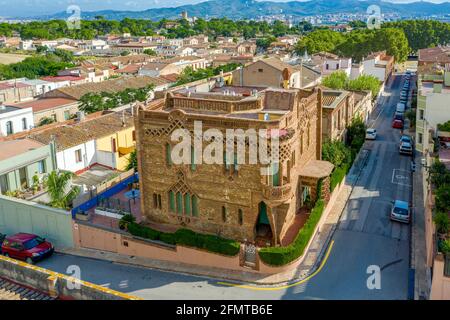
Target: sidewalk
311,262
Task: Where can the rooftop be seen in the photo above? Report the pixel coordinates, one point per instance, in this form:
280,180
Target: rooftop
16,147
436,54
45,104
111,86
70,136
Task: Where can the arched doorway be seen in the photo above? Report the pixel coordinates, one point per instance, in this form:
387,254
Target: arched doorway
263,231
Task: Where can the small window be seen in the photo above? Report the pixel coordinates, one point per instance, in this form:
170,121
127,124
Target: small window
224,214
134,135
421,114
168,154
179,203
114,147
240,217
187,204
24,124
66,115
78,157
420,138
41,167
260,70
193,165
9,128
159,202
155,201
194,206
172,201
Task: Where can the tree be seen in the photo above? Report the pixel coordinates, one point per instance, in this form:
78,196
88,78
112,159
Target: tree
336,80
356,133
335,152
365,82
59,189
46,120
319,40
150,52
132,161
125,53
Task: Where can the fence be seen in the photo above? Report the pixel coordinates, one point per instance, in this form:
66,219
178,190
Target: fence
105,191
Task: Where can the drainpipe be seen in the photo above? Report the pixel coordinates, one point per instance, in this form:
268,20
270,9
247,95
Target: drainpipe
53,153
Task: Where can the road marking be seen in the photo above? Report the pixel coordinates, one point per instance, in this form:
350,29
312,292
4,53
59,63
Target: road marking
401,179
285,286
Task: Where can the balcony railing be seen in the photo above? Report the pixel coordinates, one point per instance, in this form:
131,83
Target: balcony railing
280,193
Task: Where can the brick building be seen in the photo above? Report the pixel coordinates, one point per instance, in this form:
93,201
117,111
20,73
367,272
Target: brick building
232,200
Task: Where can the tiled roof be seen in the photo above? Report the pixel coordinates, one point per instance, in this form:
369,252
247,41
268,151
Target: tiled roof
15,147
112,86
46,103
278,64
70,136
63,78
437,54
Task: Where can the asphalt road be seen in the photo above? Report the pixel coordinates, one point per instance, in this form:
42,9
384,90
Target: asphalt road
365,237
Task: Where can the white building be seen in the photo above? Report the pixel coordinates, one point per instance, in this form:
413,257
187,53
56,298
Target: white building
78,158
379,65
14,120
328,63
94,45
433,108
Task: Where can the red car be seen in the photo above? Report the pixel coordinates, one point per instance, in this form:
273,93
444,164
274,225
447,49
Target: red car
27,247
397,124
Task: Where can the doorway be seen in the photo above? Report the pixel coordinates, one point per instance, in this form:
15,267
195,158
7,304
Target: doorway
23,178
263,229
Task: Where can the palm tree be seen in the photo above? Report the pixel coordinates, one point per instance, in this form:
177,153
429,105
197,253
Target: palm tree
57,182
132,161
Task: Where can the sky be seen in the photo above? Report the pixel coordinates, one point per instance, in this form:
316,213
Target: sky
27,8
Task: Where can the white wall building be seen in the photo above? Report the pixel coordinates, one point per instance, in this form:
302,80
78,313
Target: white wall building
78,158
14,120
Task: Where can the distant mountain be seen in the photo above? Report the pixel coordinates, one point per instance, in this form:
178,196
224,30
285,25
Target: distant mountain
247,9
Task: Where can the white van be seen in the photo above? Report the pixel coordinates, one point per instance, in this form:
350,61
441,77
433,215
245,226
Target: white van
400,108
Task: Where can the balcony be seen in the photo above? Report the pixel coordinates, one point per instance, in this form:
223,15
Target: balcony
281,193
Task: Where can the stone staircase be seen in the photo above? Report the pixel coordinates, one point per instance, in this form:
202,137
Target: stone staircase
12,291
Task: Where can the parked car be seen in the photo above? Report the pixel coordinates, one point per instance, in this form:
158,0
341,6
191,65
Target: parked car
400,107
28,247
2,237
398,116
397,124
406,148
371,134
400,211
406,138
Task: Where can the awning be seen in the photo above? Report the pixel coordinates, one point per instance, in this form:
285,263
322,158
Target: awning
126,150
317,169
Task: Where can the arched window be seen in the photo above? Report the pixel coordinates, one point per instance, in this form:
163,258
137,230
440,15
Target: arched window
240,217
159,202
194,206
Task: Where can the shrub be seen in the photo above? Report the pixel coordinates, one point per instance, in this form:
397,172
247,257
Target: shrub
126,219
445,247
187,238
278,256
442,222
443,198
338,175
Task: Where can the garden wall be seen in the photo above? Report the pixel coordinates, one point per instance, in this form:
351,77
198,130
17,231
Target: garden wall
99,238
23,216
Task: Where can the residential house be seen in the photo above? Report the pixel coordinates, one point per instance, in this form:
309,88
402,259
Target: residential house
274,73
21,160
57,109
134,47
172,66
433,96
96,44
328,63
65,81
106,140
14,119
338,112
246,48
92,74
232,199
15,91
110,86
220,60
379,65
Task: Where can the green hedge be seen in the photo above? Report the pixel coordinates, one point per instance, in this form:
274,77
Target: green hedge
278,256
187,238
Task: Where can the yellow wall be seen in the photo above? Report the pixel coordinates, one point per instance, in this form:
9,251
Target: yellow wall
124,139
